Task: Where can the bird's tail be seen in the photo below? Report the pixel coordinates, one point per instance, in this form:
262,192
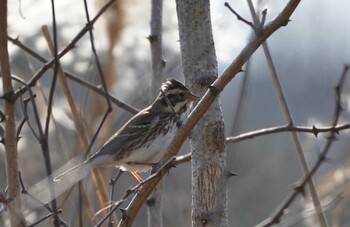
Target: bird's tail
58,177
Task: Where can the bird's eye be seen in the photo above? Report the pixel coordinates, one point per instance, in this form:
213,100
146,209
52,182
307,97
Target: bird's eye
182,94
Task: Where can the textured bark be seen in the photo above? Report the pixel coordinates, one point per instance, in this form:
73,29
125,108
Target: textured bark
10,123
209,181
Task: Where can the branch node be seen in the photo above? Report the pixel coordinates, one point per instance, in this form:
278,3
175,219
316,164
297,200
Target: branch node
124,214
285,22
152,38
89,26
213,90
151,201
263,19
9,96
129,191
230,174
315,130
205,80
163,63
300,189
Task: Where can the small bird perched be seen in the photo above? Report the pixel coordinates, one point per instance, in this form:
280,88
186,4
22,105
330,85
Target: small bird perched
142,141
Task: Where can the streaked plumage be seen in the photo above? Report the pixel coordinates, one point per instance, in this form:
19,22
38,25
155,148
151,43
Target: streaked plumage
142,140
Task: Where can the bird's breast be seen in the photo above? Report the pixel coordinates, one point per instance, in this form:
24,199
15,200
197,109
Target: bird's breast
152,151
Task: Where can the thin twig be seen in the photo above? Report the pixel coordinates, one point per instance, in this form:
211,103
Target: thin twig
68,94
300,188
45,205
96,173
44,139
158,174
74,78
69,47
289,119
112,183
239,17
286,128
97,60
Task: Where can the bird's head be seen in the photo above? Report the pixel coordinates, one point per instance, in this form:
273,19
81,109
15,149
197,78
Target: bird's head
175,97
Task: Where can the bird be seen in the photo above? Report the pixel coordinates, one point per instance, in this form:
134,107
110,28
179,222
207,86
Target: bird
140,143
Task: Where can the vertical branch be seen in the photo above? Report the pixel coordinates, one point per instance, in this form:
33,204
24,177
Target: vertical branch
44,138
155,39
10,127
97,176
209,178
154,202
288,118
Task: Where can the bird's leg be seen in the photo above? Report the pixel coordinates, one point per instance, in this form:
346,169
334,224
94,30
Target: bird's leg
137,176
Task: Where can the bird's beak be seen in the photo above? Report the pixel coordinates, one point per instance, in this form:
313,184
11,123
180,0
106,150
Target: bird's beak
194,98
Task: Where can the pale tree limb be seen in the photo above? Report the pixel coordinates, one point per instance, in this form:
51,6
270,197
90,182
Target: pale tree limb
154,202
156,43
275,218
219,84
10,138
208,163
285,108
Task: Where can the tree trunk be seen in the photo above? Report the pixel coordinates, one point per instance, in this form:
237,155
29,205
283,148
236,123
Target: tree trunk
209,178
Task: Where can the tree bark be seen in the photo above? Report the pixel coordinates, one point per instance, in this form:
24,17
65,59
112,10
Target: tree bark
10,139
209,178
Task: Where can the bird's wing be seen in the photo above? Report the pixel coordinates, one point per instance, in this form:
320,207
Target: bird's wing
130,137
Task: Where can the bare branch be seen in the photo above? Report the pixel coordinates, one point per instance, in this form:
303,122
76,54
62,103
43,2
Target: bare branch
286,128
157,175
70,46
45,205
10,138
289,119
74,78
239,17
276,217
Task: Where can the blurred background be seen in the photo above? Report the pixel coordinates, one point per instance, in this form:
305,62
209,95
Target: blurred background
309,55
